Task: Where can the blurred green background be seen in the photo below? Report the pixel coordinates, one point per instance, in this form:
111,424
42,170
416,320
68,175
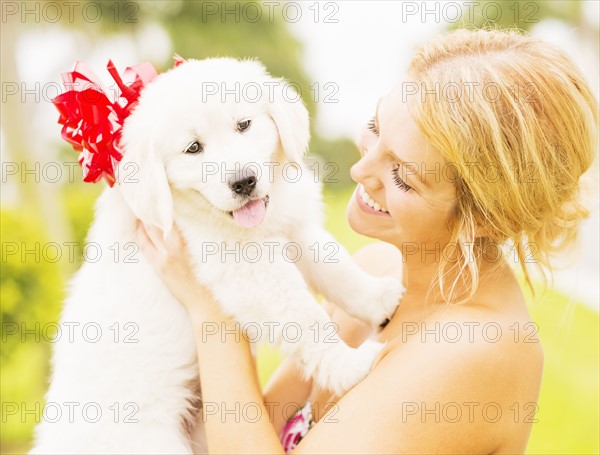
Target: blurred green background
32,290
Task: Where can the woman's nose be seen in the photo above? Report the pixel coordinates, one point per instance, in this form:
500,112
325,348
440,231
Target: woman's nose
364,170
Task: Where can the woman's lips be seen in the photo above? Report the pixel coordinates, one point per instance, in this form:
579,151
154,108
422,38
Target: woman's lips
365,207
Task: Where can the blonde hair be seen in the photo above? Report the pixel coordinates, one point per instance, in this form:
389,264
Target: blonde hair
526,114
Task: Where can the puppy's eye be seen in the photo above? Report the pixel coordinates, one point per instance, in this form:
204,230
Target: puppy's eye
243,125
194,147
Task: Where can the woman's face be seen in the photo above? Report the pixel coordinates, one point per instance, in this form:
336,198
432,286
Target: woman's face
404,175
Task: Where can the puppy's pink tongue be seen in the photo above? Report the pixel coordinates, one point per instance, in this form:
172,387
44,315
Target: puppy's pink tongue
251,214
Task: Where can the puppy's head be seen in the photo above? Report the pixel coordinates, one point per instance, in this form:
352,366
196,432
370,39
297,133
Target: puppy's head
215,128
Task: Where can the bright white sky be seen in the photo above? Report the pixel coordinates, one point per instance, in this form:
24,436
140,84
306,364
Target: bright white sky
365,54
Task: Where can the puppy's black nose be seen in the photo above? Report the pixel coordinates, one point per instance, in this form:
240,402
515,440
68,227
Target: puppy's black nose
245,186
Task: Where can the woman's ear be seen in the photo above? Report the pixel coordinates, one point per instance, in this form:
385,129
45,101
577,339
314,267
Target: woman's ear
289,113
143,182
482,230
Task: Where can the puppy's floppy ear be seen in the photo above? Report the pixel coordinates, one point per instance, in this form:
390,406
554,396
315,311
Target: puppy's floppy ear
144,185
289,113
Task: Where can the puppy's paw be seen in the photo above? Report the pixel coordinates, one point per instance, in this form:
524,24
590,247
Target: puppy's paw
392,293
343,369
380,301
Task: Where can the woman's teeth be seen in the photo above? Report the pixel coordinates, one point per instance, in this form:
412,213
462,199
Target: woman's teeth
370,201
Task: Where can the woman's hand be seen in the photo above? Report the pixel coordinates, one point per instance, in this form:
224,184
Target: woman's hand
170,258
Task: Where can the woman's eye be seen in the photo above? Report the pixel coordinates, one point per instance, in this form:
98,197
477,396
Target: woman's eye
398,180
243,125
194,147
372,127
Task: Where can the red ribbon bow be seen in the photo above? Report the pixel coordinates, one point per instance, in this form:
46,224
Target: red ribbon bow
92,123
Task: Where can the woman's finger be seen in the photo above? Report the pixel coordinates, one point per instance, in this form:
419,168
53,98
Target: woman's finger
145,242
174,241
156,237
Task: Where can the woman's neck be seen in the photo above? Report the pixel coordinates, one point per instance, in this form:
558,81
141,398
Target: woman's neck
421,273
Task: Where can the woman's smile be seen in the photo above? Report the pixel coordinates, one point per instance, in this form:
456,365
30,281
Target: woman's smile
367,203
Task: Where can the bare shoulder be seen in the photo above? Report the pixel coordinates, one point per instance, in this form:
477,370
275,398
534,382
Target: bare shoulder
465,381
501,338
474,370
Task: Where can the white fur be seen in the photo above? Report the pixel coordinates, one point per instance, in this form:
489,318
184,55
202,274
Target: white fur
158,375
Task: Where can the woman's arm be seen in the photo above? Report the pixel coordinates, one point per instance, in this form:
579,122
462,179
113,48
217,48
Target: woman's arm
241,422
286,385
287,390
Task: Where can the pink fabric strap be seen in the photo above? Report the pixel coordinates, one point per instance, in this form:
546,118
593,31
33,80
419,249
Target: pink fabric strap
296,428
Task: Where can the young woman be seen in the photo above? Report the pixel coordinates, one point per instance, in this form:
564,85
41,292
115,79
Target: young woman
482,145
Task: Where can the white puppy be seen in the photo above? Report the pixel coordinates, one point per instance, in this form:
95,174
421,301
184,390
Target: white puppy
216,147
